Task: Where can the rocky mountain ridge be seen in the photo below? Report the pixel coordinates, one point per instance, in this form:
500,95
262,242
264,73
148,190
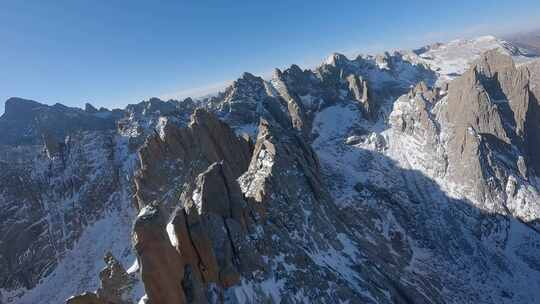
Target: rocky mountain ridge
408,177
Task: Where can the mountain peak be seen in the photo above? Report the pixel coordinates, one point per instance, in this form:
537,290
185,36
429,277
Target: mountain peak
16,106
249,77
336,59
90,108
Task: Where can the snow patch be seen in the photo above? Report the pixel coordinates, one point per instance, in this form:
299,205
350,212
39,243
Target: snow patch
172,235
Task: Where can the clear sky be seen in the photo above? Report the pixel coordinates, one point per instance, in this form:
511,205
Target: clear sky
112,53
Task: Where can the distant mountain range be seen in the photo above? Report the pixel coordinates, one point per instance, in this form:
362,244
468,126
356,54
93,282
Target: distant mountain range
528,40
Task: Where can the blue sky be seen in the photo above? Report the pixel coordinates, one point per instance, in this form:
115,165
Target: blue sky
112,53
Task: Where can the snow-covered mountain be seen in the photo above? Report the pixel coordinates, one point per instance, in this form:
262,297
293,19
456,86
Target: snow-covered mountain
529,40
405,177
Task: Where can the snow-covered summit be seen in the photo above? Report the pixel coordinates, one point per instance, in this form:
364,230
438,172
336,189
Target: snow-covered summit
455,57
448,60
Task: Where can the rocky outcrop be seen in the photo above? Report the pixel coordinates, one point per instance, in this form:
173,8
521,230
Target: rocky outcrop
160,265
209,233
206,249
294,219
358,88
340,80
299,154
172,159
534,72
471,111
488,108
224,241
504,81
412,113
287,85
116,284
476,135
207,226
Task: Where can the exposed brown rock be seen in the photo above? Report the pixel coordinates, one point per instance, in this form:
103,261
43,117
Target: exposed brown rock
206,227
472,114
504,81
161,267
208,223
489,108
207,241
469,104
174,160
359,90
296,110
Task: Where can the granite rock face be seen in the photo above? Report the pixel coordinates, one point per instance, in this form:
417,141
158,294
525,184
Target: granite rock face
491,110
209,230
207,220
172,159
160,265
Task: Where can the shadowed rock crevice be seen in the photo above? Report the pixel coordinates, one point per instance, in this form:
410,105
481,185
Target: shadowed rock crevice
160,265
532,136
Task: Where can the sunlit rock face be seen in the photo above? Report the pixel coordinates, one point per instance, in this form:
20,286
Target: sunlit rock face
171,160
403,177
491,111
